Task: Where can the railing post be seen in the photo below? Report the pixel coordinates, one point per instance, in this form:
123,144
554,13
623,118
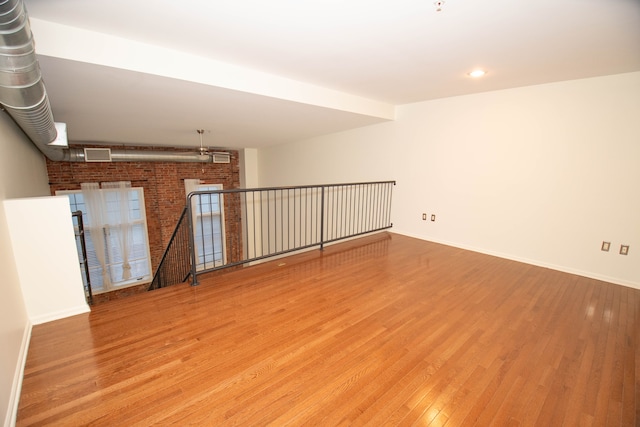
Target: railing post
83,247
322,219
192,246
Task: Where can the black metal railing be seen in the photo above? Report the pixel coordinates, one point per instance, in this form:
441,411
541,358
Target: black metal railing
279,220
81,245
226,228
175,265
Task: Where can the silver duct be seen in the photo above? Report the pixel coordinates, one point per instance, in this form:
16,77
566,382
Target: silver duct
158,156
78,155
23,94
22,91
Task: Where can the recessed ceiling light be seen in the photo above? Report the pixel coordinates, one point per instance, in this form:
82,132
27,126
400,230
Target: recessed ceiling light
477,73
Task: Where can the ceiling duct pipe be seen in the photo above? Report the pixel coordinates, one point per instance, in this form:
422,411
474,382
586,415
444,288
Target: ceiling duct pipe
158,156
23,95
109,155
22,91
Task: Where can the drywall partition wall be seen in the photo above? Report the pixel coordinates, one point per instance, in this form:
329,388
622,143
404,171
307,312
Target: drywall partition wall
46,256
540,174
22,174
364,154
345,157
248,168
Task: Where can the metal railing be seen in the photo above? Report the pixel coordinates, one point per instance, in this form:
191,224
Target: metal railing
175,264
226,228
278,220
81,245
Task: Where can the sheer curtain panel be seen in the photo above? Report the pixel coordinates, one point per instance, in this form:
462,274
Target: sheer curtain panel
117,210
96,224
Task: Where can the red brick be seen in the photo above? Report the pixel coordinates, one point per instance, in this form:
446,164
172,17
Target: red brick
164,194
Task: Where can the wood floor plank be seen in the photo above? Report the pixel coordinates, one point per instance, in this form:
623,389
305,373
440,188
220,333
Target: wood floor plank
382,330
628,398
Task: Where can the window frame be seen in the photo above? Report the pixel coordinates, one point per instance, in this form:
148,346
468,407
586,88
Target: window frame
134,281
205,265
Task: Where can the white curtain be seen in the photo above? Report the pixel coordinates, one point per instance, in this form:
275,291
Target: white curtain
96,223
117,208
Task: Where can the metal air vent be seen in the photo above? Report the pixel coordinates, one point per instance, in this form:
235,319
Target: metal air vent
221,157
97,155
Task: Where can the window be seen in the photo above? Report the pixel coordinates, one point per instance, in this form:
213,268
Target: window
118,256
208,221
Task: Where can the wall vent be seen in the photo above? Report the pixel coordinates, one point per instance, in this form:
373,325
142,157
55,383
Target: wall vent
221,157
97,155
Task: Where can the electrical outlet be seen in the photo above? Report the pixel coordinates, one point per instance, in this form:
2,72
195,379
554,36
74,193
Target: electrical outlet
424,216
605,246
433,217
624,249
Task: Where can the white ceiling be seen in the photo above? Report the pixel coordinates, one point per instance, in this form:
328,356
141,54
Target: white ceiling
255,73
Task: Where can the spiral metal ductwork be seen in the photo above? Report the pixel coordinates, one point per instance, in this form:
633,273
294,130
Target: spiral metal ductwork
22,90
78,155
23,94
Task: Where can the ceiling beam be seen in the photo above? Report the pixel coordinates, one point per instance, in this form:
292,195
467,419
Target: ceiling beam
62,41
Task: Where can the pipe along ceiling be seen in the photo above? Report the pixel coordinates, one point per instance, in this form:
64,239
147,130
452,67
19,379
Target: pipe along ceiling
24,97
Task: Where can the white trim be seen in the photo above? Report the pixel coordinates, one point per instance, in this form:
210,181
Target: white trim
561,268
16,387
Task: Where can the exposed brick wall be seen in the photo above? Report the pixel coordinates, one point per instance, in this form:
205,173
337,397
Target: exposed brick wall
164,193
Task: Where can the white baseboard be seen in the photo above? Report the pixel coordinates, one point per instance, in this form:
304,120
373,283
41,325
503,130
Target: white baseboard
16,386
50,317
564,269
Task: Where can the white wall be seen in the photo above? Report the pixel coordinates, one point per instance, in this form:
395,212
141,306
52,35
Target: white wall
41,231
22,174
365,154
248,168
541,174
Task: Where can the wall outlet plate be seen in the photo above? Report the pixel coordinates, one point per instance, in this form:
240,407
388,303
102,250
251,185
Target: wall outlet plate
605,246
433,217
424,216
624,249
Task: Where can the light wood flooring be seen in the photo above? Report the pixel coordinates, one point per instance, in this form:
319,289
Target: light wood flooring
383,331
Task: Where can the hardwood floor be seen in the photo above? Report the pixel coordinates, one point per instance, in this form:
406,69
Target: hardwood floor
384,330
